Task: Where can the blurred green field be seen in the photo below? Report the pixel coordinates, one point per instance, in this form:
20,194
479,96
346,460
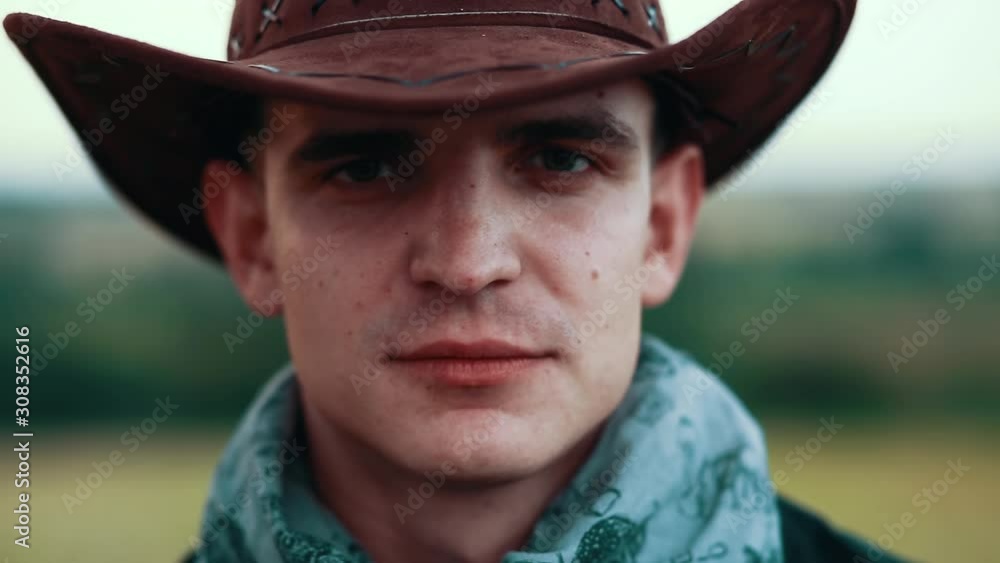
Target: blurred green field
863,479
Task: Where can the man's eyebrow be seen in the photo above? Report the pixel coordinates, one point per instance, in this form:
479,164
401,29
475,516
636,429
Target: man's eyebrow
592,124
326,145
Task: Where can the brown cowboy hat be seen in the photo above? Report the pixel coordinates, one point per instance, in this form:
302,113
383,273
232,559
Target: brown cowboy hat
150,117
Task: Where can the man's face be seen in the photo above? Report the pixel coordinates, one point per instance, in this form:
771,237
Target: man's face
464,288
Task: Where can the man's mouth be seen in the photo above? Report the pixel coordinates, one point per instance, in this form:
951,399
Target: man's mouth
474,363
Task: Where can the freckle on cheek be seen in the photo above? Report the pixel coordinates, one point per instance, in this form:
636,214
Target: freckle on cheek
594,275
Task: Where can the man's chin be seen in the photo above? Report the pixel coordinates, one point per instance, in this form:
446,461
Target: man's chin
481,469
499,448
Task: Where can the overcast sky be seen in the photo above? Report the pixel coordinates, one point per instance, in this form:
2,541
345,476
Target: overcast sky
886,98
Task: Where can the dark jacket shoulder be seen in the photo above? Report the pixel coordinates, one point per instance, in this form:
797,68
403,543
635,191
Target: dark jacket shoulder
809,539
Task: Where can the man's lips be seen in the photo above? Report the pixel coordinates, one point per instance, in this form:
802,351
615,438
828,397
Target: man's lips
474,363
478,349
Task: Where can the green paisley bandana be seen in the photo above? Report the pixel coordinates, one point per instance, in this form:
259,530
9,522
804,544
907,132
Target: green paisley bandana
679,475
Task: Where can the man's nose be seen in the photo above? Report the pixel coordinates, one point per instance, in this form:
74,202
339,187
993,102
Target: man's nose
468,245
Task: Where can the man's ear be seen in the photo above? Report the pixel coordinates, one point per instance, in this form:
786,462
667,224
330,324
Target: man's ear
237,217
678,186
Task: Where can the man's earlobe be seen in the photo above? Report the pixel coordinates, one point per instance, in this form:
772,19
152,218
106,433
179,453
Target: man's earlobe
237,218
678,186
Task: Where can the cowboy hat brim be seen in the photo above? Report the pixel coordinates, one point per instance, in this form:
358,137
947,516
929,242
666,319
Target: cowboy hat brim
149,117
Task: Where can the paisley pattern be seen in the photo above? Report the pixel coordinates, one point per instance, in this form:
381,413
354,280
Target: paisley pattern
676,477
610,540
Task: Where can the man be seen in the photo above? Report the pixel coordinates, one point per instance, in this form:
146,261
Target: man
460,213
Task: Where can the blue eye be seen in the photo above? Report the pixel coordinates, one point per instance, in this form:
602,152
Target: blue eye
558,159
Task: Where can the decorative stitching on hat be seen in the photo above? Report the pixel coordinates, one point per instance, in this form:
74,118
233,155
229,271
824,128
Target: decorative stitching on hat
779,38
270,16
651,19
113,61
753,46
235,46
691,101
790,52
443,77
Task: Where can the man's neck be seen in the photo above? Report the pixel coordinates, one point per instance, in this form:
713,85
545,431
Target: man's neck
463,522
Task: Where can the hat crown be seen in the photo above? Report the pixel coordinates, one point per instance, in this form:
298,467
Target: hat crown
259,25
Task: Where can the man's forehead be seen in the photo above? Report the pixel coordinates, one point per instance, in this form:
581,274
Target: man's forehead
617,107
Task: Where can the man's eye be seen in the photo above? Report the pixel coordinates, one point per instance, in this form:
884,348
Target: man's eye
561,160
361,170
